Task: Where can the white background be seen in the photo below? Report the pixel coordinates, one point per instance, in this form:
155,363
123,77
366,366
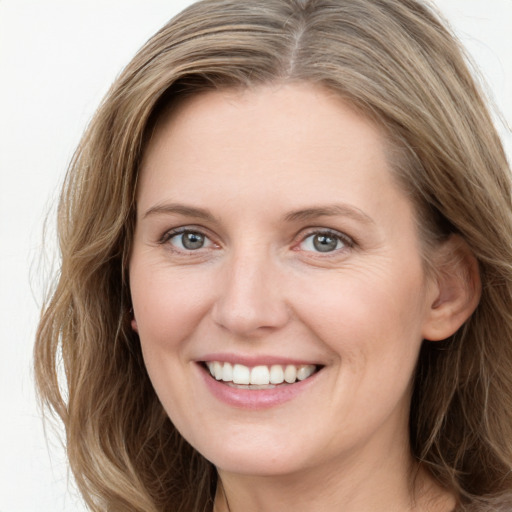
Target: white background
57,59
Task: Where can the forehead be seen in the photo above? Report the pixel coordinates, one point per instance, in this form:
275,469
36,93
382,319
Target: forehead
277,118
295,143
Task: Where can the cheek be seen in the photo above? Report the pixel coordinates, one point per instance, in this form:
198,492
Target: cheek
365,315
168,304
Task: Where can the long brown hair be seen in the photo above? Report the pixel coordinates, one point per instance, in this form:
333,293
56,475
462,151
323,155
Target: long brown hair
396,63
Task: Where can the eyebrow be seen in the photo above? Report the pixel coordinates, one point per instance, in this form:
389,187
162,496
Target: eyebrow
333,210
179,209
301,215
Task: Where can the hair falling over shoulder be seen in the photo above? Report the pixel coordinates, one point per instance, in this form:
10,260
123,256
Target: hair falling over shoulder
396,63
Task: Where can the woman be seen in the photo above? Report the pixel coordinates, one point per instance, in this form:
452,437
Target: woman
285,276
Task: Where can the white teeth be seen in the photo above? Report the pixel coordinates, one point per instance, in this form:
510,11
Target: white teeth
290,374
259,375
241,374
218,370
227,372
276,374
303,372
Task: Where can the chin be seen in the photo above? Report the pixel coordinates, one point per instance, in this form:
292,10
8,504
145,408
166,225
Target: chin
256,459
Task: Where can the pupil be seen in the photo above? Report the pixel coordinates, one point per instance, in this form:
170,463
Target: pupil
192,240
325,243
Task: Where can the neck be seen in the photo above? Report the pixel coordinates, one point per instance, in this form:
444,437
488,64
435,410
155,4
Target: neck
362,489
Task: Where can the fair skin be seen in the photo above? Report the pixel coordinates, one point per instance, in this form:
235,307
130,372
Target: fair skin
271,233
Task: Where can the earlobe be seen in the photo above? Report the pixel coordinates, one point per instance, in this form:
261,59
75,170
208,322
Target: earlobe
457,290
133,322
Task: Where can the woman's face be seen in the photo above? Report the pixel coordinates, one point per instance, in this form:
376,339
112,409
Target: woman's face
271,242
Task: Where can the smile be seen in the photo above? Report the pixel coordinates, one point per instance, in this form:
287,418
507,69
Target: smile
259,377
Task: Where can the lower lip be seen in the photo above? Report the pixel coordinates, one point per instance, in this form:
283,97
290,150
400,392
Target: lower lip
255,398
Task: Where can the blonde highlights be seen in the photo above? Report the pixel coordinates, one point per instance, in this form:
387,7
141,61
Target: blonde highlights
396,63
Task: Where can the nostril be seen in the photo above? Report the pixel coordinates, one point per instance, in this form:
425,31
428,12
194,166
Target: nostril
249,303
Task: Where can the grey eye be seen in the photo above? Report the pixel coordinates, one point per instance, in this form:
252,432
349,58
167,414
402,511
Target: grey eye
189,240
323,242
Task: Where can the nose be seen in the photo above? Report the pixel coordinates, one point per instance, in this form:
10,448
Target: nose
250,301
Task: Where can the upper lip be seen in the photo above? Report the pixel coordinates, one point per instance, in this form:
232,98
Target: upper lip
256,360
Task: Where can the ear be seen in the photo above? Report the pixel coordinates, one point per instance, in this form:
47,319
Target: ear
133,322
456,291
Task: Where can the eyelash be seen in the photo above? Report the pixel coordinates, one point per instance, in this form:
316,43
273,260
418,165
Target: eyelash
169,235
347,241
